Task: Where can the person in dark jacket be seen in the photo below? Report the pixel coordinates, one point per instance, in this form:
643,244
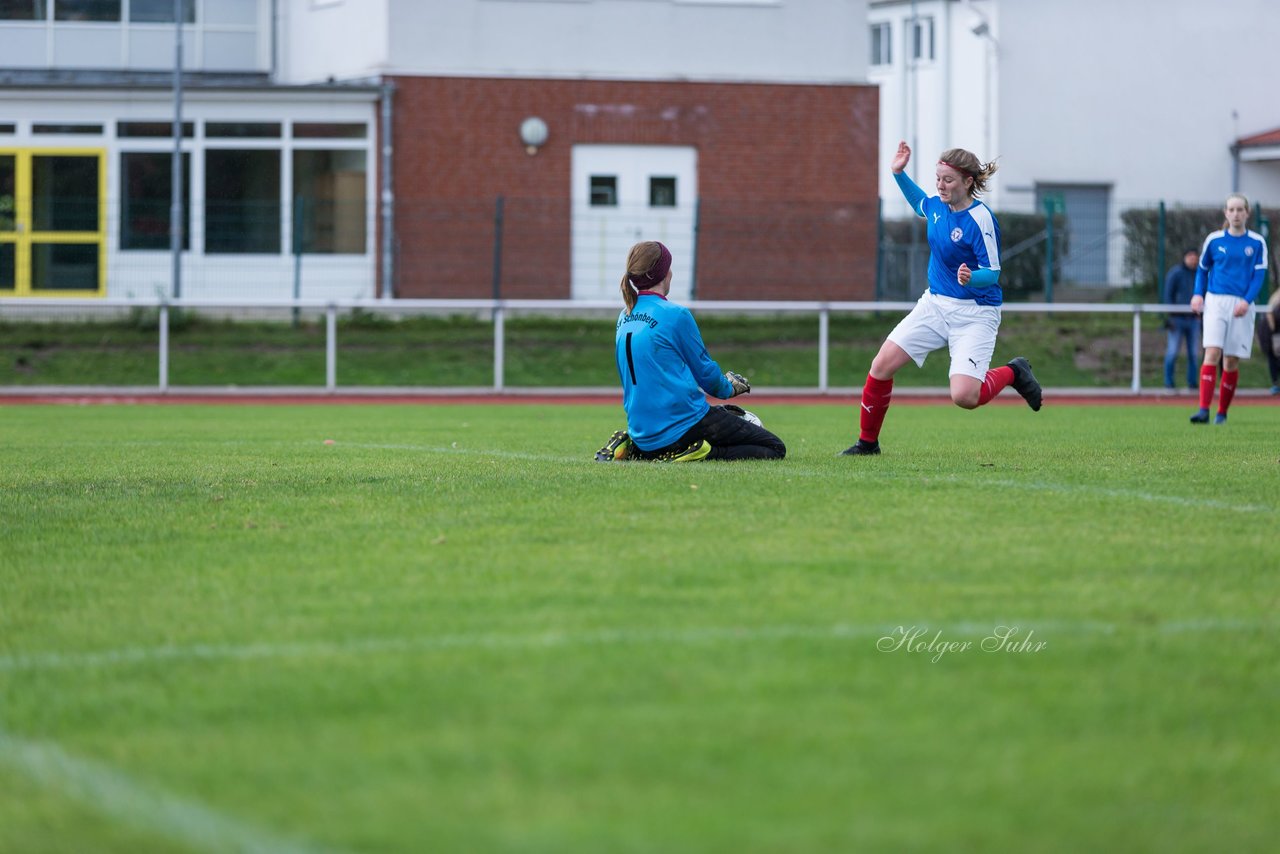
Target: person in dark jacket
1179,287
1268,331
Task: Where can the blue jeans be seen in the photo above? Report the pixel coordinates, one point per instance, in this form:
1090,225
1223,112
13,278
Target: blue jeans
1182,327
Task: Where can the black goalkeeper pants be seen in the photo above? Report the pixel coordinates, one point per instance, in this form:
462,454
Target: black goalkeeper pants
731,438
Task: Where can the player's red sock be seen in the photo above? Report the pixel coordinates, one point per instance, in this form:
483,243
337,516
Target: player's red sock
1229,380
1208,378
996,380
875,404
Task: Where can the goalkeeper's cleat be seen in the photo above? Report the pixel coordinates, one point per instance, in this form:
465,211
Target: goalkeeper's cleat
1201,417
618,448
1220,418
862,448
697,451
1025,382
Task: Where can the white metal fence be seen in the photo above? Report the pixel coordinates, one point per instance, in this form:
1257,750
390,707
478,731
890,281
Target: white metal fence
499,309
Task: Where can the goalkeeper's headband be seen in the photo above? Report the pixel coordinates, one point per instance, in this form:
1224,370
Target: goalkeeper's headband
656,273
957,168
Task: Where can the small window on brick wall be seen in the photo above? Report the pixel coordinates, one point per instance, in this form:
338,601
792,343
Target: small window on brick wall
604,191
662,191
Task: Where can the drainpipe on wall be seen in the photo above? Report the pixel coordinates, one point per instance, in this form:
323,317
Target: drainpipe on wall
1235,167
275,41
388,194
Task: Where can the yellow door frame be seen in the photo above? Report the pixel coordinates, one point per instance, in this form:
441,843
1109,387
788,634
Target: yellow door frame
23,237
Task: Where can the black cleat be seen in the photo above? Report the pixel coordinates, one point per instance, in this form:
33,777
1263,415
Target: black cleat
862,448
1025,382
1201,417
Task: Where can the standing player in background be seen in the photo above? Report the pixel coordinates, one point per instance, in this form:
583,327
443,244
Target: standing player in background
961,309
1233,263
1179,288
665,370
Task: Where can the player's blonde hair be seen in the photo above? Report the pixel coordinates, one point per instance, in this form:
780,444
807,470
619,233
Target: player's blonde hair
640,260
968,164
1245,200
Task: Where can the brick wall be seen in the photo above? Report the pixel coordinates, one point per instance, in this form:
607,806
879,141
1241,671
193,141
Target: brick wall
786,176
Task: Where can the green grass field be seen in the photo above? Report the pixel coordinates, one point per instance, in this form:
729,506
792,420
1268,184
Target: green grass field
451,631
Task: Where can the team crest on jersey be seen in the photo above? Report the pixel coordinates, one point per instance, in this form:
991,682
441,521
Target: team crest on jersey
1248,251
956,234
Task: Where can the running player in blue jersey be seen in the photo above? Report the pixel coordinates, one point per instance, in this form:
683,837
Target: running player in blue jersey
1233,263
961,309
665,370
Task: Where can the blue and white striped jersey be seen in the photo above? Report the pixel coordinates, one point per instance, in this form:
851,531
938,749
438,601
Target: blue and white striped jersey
1232,264
970,236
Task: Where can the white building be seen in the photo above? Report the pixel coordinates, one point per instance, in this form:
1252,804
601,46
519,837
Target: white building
278,180
1093,105
282,111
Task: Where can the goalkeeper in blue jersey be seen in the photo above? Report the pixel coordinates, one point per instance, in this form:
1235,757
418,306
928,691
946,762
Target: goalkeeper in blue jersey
665,370
961,309
1233,263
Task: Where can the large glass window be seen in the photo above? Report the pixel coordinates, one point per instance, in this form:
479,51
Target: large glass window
86,10
8,267
329,201
8,185
64,193
8,248
160,11
146,182
23,10
881,44
64,266
242,201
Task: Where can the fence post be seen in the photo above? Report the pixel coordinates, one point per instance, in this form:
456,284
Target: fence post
1136,385
499,346
297,254
331,347
1161,238
824,333
497,248
1048,250
164,347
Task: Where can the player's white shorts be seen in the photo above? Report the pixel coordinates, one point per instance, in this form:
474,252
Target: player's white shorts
966,328
1222,329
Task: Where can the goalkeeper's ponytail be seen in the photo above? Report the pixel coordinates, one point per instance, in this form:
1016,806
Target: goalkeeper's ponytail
641,263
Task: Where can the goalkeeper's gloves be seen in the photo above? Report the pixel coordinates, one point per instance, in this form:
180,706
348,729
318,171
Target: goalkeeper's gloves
739,383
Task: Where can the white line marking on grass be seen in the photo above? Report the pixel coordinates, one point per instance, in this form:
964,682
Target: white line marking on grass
790,469
117,796
1110,492
39,661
